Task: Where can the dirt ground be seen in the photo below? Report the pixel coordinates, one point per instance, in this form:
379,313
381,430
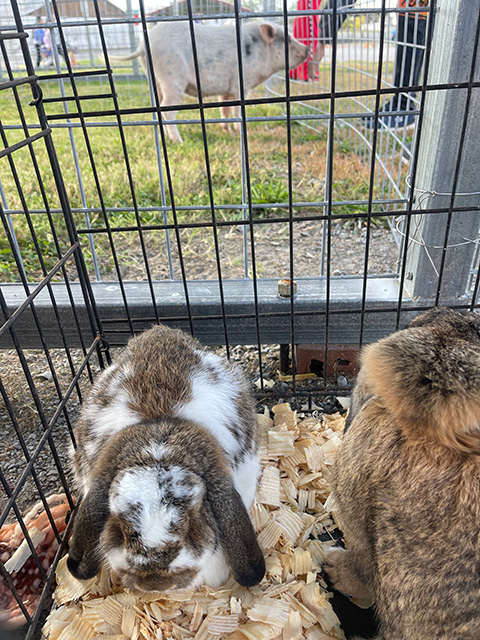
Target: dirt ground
271,252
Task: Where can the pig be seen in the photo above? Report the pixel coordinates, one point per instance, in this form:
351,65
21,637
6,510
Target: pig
263,54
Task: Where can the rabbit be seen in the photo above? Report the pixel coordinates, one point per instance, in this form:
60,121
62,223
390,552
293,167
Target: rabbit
406,482
167,465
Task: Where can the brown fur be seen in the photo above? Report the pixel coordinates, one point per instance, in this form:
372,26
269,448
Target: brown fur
166,356
155,374
168,367
220,516
407,482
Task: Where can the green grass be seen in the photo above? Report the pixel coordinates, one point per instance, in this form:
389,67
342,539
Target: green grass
268,164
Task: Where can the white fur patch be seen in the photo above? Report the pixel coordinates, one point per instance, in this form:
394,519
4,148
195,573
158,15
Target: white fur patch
127,370
207,406
107,381
184,560
157,451
245,478
213,568
117,559
138,560
86,484
141,488
109,420
146,489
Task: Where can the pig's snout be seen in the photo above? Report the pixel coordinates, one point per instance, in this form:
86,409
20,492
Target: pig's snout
299,53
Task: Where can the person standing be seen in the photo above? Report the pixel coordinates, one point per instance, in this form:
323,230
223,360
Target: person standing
410,34
38,35
305,29
47,47
325,31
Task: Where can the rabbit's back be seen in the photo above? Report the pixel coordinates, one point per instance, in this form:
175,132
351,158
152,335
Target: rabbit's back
413,511
164,372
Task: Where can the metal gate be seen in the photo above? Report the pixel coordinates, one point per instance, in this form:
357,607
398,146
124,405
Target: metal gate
265,237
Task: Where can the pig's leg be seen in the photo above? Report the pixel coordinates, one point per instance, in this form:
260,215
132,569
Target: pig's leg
236,113
159,93
143,64
225,113
172,97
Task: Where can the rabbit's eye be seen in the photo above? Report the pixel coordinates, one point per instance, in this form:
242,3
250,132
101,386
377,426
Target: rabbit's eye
425,381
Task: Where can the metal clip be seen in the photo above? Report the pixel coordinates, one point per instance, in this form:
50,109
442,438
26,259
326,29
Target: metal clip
37,94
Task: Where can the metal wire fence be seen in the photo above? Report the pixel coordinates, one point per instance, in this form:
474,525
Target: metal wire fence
345,203
355,68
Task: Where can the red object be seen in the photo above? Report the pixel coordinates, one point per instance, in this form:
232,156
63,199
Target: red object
24,572
305,29
342,358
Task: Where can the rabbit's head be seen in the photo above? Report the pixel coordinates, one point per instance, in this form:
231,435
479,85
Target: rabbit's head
162,518
428,375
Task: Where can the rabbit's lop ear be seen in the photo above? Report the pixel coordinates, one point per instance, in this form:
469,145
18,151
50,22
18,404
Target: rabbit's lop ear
237,535
83,557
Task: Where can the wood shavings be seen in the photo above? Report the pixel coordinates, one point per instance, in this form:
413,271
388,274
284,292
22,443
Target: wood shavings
266,383
293,630
291,523
268,538
21,555
78,629
280,443
315,457
269,490
330,448
289,604
284,415
270,611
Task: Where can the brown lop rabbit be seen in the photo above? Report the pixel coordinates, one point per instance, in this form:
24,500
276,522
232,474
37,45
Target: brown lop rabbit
167,466
406,482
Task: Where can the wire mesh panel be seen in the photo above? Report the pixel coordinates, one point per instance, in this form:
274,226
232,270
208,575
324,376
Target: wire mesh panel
369,51
324,203
269,186
37,422
317,197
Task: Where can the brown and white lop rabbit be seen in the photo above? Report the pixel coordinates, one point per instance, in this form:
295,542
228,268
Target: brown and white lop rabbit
406,482
167,466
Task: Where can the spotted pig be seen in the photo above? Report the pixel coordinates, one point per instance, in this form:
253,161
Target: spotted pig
263,54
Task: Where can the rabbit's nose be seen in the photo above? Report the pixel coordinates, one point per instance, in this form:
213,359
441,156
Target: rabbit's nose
81,570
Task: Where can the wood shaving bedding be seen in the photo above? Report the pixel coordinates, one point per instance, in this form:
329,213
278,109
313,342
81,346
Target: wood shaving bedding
290,603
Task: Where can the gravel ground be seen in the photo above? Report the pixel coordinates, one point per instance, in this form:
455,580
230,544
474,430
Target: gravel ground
30,424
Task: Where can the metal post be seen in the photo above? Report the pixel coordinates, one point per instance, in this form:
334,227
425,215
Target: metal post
442,245
131,37
86,13
270,5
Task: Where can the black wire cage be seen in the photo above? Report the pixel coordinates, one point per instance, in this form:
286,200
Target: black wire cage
70,237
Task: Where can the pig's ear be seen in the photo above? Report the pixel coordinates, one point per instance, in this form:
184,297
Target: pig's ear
268,32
